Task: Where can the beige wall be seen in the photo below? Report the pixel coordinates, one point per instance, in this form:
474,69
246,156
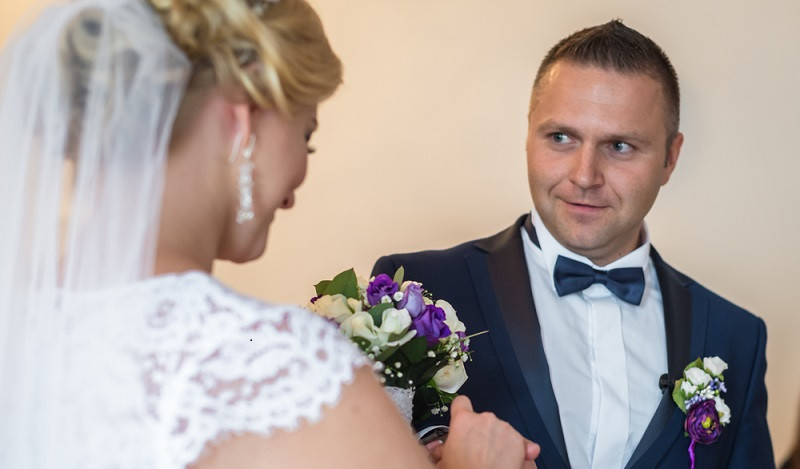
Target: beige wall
423,147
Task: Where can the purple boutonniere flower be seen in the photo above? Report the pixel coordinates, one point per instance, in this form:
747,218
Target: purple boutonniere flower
702,422
698,395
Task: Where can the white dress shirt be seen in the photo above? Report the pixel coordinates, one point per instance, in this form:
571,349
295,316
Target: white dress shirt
605,355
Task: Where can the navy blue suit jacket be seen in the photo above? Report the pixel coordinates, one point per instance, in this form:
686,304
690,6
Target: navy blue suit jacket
487,283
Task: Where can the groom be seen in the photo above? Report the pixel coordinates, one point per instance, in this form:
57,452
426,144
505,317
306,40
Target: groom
586,368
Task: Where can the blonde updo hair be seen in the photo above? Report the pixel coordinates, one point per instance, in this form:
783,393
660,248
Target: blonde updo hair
276,52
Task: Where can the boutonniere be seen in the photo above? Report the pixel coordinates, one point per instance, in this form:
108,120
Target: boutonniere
698,396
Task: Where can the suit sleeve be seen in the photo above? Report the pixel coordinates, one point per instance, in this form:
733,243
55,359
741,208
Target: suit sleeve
384,265
753,446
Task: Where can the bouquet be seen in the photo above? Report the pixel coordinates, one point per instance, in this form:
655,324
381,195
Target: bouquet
417,343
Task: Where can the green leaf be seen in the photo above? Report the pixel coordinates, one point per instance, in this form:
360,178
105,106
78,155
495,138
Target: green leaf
677,396
432,367
695,364
344,283
395,336
377,312
386,354
398,276
362,343
415,349
427,397
321,287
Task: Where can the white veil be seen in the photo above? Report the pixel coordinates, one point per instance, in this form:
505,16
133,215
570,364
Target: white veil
88,95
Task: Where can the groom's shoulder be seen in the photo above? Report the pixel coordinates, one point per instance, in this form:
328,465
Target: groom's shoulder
718,306
442,256
725,313
425,259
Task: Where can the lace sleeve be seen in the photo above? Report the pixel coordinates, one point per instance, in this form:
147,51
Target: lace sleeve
247,367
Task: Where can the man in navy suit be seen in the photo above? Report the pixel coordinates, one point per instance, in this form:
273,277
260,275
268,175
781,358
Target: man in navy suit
583,361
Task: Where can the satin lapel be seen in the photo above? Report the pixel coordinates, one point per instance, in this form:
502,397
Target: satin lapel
501,279
685,329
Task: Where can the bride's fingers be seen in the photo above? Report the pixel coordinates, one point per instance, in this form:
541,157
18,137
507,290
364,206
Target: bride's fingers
435,452
532,450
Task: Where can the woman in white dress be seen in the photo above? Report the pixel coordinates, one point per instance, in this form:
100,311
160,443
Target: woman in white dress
141,140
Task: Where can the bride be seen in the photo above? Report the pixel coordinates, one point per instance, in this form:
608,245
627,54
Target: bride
142,141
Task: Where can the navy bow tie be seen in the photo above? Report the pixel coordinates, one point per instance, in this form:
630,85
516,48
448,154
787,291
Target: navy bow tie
572,276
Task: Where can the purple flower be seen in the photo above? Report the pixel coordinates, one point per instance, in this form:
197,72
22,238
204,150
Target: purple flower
430,324
379,287
702,422
464,346
412,300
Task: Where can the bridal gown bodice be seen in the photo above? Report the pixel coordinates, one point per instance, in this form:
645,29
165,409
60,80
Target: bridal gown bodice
157,370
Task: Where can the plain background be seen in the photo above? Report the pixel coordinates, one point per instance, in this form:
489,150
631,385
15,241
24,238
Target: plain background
423,147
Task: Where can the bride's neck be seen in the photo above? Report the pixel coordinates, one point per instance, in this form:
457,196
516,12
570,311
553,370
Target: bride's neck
167,263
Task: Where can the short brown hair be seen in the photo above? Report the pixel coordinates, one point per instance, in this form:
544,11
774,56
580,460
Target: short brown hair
616,47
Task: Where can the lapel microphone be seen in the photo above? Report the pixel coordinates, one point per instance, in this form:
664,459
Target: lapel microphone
666,384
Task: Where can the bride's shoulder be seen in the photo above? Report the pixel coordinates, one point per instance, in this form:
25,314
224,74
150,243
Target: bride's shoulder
226,363
200,312
198,298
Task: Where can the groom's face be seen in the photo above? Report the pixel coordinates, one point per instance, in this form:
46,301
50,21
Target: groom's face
597,157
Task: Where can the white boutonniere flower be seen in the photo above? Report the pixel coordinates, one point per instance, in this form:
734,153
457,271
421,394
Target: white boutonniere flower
697,376
715,365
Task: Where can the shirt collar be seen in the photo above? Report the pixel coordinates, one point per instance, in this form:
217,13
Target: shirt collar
551,249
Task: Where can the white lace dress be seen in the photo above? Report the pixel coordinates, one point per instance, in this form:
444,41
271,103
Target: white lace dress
159,369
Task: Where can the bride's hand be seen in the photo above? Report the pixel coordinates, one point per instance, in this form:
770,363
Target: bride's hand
482,441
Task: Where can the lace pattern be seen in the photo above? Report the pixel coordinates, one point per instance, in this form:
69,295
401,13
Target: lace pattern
189,362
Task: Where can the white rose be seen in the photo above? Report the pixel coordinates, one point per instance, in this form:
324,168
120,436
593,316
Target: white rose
355,305
715,365
332,306
687,388
451,320
384,339
451,377
362,283
697,376
723,410
360,325
393,322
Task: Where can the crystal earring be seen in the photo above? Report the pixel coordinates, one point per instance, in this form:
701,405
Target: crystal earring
245,182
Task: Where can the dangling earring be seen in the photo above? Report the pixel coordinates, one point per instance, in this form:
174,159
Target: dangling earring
245,180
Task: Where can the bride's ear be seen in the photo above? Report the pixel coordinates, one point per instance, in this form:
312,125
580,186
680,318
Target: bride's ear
240,130
242,118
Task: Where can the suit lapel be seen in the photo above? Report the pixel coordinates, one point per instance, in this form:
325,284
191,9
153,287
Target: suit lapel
685,329
500,277
503,284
